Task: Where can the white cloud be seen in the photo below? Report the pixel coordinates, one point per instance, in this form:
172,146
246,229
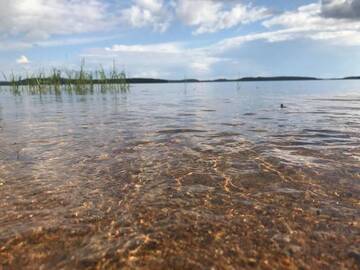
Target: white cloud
38,19
26,23
149,74
163,58
307,22
7,45
74,41
148,13
203,66
152,5
343,9
23,60
210,16
152,48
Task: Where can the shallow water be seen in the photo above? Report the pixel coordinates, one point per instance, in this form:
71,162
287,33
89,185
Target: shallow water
183,176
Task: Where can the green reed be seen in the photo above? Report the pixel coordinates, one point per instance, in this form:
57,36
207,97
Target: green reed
79,82
12,79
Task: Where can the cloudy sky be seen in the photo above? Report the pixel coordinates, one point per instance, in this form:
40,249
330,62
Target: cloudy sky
183,38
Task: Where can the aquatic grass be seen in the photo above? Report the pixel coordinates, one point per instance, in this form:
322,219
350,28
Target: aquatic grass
56,81
14,86
12,82
101,75
79,82
119,78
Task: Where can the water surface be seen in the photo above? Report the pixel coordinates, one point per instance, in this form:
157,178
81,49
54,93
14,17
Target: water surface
182,176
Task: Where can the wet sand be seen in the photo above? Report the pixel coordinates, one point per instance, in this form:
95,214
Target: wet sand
109,189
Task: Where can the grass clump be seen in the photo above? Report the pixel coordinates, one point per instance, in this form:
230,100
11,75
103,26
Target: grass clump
79,82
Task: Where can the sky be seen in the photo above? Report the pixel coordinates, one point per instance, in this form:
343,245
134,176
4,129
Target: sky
170,39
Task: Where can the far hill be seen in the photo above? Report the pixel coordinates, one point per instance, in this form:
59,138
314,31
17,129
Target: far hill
154,80
279,78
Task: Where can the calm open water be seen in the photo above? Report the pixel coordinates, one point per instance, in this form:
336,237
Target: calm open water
175,176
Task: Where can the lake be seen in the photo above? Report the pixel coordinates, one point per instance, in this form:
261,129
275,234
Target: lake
182,176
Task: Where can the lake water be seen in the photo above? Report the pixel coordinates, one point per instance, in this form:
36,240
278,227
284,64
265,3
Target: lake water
182,176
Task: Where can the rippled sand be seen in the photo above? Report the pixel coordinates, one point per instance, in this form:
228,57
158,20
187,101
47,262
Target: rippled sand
174,179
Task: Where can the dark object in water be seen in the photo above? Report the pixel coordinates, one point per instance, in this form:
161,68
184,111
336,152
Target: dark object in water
355,255
282,106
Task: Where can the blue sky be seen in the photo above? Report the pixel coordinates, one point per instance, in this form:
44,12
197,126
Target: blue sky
183,38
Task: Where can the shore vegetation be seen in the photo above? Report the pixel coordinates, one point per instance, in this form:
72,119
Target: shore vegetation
58,82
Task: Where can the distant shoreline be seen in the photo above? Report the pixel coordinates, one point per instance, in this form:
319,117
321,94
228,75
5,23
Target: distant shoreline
153,81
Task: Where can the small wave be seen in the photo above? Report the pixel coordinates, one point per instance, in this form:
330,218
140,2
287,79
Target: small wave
337,99
180,130
208,110
225,134
164,117
186,114
232,124
258,130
